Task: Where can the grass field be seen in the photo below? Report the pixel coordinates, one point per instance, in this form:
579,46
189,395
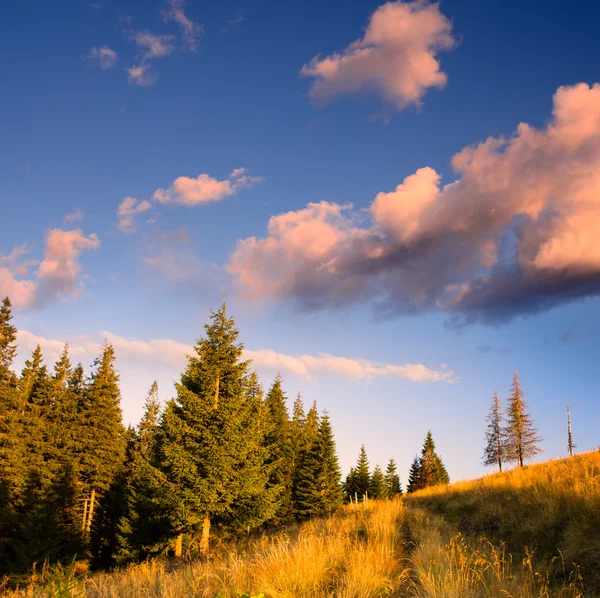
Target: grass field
527,534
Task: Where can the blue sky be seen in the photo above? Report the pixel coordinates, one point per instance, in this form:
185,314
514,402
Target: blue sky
399,278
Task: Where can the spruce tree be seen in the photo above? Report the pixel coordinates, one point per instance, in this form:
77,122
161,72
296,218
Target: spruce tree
377,484
522,439
8,348
362,474
211,446
413,476
494,448
102,455
392,480
319,490
278,440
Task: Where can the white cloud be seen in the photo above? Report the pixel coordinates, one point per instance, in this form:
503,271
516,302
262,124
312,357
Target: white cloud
173,353
396,58
103,57
153,45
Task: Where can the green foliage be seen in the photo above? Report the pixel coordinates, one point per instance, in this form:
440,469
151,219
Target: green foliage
211,448
392,480
377,484
280,458
64,582
359,478
428,469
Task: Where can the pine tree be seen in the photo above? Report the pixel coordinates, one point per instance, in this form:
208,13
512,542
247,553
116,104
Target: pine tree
319,490
377,484
522,438
570,446
211,446
413,476
102,455
278,440
392,480
8,348
362,474
494,449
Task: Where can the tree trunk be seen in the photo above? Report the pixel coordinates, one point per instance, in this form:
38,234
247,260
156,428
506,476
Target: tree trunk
204,539
84,520
90,515
179,546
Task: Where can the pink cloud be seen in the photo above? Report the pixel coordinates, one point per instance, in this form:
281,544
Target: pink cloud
141,75
191,31
515,233
396,58
58,274
204,188
103,57
128,209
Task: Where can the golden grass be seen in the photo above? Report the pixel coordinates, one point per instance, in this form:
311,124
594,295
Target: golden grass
547,513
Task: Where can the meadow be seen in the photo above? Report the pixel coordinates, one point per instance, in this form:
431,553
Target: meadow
527,533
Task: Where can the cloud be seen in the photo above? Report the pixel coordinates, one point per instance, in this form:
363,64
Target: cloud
173,353
191,31
515,234
152,45
203,189
396,58
58,274
103,57
74,216
128,209
141,75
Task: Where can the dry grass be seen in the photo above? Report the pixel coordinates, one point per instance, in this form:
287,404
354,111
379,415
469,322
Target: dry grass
547,514
354,554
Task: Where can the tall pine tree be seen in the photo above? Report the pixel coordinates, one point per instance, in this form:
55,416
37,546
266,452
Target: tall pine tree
278,440
377,485
211,446
359,478
494,453
522,439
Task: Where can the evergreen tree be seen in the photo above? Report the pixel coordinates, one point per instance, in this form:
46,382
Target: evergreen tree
413,476
392,480
298,422
211,446
570,446
8,348
350,485
362,474
377,484
103,442
522,439
319,491
494,448
278,440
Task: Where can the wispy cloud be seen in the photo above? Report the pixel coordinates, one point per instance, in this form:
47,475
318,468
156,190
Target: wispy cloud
141,75
500,241
128,209
396,58
173,353
190,30
103,57
74,216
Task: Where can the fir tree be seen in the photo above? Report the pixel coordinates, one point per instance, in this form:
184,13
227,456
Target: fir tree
522,438
392,480
570,446
494,448
8,348
377,484
319,491
362,474
211,446
278,440
413,476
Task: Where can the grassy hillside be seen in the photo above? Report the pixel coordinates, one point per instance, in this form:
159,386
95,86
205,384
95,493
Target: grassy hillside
527,534
548,514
